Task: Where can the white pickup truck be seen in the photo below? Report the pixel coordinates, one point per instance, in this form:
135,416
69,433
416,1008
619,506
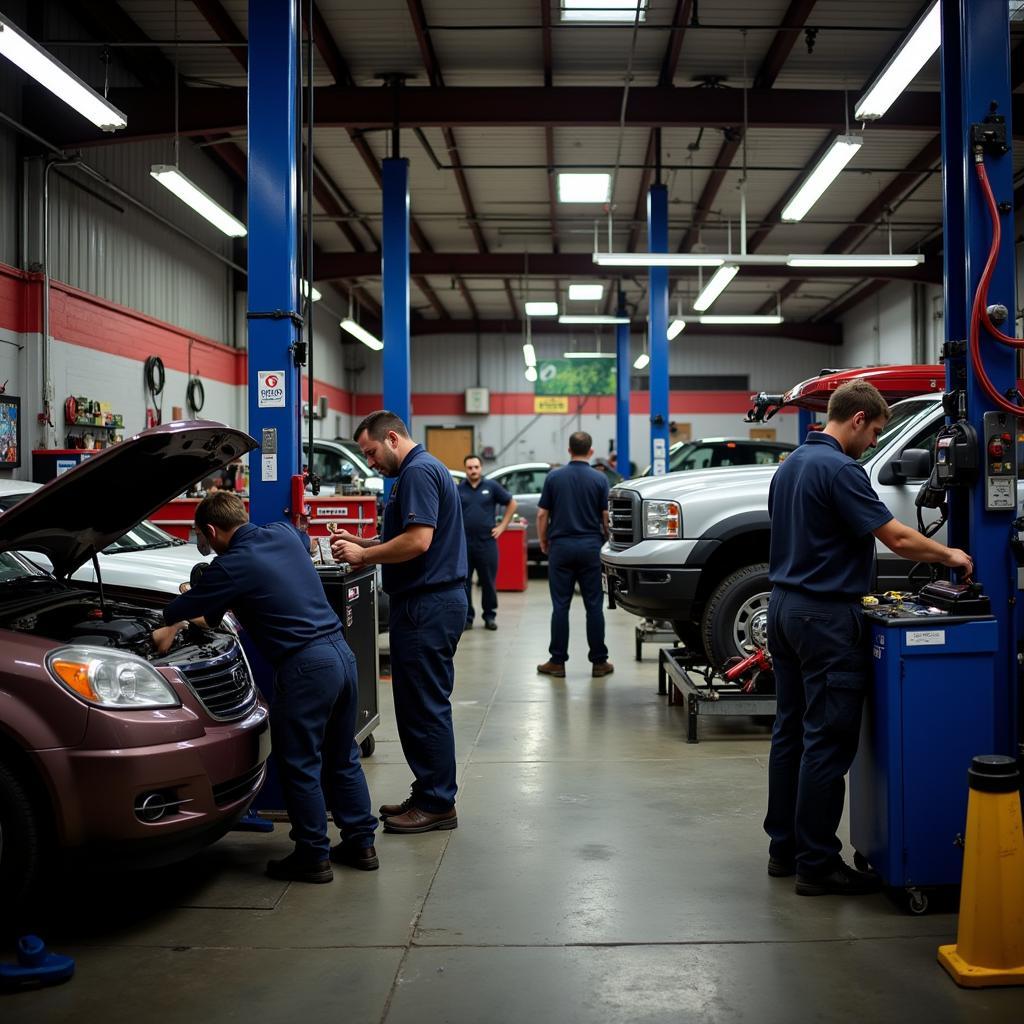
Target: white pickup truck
693,547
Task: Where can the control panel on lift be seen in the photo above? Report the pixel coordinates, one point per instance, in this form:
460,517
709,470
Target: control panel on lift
941,600
1000,448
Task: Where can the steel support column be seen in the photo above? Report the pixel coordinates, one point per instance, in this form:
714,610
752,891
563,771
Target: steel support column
657,325
976,80
395,287
623,373
273,304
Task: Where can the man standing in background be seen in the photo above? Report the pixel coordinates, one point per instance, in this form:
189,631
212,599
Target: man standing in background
480,500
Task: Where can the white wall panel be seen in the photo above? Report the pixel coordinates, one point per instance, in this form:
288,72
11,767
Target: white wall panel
881,329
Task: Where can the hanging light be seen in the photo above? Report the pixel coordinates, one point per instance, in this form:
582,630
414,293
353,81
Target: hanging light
360,332
531,374
192,195
843,149
718,283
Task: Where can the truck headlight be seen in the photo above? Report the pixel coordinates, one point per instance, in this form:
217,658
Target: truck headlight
111,679
662,519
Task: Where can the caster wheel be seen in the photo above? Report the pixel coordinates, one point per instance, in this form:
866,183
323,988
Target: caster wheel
368,746
917,901
860,862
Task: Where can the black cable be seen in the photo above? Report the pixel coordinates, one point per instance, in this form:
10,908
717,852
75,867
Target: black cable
155,376
195,395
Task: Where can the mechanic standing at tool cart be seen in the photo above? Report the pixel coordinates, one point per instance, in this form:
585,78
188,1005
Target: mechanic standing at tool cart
265,576
825,517
423,551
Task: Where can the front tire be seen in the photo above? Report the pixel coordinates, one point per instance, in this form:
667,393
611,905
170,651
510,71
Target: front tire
735,620
689,634
20,840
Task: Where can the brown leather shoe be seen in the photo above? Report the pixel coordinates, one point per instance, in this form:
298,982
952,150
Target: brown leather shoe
602,668
362,857
295,868
415,820
552,668
393,810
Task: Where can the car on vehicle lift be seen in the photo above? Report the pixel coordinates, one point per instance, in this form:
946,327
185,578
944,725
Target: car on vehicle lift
105,746
719,452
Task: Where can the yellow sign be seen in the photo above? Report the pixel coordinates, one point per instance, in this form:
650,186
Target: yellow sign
551,403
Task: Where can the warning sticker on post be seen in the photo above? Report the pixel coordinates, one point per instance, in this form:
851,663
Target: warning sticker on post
269,467
270,389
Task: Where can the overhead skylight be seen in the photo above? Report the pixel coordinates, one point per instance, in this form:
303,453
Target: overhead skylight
603,10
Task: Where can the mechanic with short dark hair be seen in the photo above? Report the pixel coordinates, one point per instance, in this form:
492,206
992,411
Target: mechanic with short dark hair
265,576
825,517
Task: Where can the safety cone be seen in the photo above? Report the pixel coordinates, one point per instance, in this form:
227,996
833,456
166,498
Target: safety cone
989,946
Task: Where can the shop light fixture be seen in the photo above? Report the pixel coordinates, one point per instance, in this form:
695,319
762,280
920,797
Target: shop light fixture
20,49
657,259
529,355
718,283
914,52
586,292
595,318
584,188
641,361
541,308
826,170
675,328
856,261
604,10
751,320
357,331
304,287
589,355
531,374
192,195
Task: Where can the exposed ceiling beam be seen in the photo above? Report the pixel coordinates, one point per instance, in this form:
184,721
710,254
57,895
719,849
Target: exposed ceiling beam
224,25
549,132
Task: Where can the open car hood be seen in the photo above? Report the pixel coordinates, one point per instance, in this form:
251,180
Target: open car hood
92,505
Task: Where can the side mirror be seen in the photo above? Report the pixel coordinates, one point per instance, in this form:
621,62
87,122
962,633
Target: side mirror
913,464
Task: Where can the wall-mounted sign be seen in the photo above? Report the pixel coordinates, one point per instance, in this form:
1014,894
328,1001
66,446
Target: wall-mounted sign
270,389
551,403
575,377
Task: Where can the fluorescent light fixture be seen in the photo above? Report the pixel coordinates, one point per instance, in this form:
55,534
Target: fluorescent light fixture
192,195
531,374
751,320
304,288
541,308
584,188
922,41
641,361
585,292
603,10
656,259
718,283
675,329
596,318
529,355
827,169
589,355
19,49
369,340
856,260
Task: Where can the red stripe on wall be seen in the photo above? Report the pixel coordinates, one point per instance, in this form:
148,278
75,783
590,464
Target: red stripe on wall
337,398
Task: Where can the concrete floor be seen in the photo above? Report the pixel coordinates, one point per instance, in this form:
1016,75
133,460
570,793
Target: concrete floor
604,871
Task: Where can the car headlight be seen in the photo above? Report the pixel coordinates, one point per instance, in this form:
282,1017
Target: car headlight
111,679
662,519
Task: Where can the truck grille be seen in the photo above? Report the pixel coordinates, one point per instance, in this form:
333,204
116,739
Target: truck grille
622,508
225,793
222,684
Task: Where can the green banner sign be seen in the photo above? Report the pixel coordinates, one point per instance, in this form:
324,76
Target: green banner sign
575,377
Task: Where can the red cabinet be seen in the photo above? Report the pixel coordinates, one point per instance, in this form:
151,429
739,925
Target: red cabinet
512,558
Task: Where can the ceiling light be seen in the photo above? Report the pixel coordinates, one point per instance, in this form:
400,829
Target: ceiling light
641,361
529,355
369,340
604,10
585,292
656,259
837,156
675,329
192,195
856,260
19,49
914,52
589,355
596,318
584,188
751,320
541,308
531,374
304,288
718,283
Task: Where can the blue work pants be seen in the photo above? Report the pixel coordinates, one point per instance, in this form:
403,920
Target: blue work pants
313,727
425,627
573,560
822,670
482,555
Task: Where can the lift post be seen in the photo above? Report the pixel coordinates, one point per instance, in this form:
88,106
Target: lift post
623,379
657,241
395,286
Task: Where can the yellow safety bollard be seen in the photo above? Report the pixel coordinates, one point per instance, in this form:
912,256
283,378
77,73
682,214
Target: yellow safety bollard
989,946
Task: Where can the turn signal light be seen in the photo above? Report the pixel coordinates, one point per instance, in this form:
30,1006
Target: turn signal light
75,674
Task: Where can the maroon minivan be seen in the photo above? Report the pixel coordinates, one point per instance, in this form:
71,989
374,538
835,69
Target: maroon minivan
104,745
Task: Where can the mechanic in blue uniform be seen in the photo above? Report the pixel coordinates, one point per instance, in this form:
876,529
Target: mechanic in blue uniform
480,501
572,523
825,517
265,576
422,548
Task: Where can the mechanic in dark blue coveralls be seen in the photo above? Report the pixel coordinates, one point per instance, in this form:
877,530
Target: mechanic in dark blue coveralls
265,576
825,518
480,502
572,524
422,548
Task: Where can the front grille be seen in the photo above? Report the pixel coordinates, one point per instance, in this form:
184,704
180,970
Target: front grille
222,684
622,506
225,793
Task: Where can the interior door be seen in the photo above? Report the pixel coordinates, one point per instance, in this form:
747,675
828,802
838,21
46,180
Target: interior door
450,445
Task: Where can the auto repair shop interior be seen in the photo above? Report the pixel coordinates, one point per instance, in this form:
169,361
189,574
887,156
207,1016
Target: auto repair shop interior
231,230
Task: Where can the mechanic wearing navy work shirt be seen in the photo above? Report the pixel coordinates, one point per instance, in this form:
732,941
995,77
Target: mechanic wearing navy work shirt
423,551
265,576
825,518
480,500
572,523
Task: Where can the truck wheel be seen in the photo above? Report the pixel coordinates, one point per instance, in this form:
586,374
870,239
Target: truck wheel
689,634
736,618
20,841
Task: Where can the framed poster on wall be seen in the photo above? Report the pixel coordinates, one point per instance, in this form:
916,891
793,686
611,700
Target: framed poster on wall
10,432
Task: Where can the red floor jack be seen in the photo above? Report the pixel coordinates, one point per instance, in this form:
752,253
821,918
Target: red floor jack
753,673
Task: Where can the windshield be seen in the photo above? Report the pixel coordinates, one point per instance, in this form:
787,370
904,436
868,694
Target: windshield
902,414
13,568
